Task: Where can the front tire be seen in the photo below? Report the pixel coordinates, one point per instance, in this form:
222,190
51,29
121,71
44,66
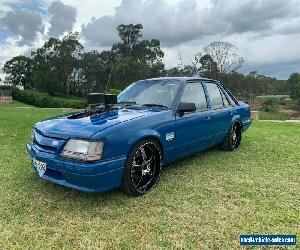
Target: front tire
142,170
233,138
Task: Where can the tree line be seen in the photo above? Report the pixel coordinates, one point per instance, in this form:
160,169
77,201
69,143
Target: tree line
62,67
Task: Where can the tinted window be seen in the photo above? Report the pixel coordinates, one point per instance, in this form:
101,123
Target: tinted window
231,100
225,100
161,92
194,93
216,100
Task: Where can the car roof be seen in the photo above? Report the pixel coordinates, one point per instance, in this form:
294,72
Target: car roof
181,78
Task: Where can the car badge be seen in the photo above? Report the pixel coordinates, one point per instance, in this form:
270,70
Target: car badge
55,143
170,136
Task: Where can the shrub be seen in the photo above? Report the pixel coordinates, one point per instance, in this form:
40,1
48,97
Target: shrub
46,101
5,87
269,105
269,102
114,91
5,92
282,101
268,108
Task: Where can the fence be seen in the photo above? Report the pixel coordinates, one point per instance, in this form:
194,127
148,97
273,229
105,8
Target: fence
6,99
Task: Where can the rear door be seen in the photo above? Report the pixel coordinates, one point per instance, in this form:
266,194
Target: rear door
221,112
193,129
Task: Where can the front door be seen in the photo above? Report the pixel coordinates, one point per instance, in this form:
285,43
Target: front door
193,129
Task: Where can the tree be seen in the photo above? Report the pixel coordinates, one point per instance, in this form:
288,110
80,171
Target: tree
224,54
201,66
45,73
19,70
96,68
59,60
69,53
182,70
294,85
130,36
135,58
209,67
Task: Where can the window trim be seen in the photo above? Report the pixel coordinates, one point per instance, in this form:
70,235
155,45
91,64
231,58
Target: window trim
223,95
229,94
217,84
204,91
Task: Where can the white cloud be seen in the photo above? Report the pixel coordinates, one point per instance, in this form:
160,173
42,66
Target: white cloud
265,31
87,9
23,23
62,18
172,24
9,50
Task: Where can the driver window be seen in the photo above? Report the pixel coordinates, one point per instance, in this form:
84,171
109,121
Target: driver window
194,93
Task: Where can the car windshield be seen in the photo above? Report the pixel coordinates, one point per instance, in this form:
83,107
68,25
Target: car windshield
159,93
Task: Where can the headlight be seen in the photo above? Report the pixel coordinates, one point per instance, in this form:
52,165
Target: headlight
83,150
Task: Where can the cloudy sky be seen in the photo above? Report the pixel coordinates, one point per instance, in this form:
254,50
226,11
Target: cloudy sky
267,32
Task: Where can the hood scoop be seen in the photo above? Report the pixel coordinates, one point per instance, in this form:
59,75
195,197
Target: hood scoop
98,103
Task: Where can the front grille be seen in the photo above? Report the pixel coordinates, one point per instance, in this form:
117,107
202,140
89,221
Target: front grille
44,147
47,144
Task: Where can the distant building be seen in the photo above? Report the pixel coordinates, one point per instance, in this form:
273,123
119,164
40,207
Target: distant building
263,97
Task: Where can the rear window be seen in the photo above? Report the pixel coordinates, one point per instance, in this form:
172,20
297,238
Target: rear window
225,99
216,100
230,97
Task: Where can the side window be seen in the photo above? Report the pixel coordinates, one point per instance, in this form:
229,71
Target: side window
194,93
225,100
216,100
232,101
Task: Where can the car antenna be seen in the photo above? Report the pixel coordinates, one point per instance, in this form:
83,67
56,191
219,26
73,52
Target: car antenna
109,76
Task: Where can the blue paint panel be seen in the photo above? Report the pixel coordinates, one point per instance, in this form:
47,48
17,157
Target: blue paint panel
179,136
193,132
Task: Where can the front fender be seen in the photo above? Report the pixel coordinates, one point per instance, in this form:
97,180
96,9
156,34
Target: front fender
141,134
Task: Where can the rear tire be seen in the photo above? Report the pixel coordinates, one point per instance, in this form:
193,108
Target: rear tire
233,138
142,170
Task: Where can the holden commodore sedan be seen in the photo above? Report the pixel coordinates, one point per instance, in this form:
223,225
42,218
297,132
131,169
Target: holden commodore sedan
124,143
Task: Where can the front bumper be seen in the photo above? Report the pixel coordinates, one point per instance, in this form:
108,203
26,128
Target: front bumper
87,177
246,124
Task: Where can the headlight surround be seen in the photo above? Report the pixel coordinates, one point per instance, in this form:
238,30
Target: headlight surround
82,150
32,136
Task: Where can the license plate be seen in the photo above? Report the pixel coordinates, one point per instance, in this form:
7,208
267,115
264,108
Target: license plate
39,165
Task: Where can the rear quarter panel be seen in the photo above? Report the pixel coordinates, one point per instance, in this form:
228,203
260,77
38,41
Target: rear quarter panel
243,111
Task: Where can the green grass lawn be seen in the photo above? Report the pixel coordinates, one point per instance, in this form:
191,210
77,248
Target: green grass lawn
202,202
276,115
15,104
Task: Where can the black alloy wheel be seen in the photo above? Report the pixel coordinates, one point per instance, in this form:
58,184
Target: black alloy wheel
234,137
142,170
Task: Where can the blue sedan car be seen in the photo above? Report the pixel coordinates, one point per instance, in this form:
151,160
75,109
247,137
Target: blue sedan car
153,123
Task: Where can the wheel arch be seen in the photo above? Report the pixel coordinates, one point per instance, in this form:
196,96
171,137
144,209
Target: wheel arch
143,136
237,119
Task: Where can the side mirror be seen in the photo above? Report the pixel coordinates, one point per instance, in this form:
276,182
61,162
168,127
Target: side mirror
186,107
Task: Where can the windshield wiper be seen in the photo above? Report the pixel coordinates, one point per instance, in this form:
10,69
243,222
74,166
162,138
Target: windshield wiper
127,103
154,105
